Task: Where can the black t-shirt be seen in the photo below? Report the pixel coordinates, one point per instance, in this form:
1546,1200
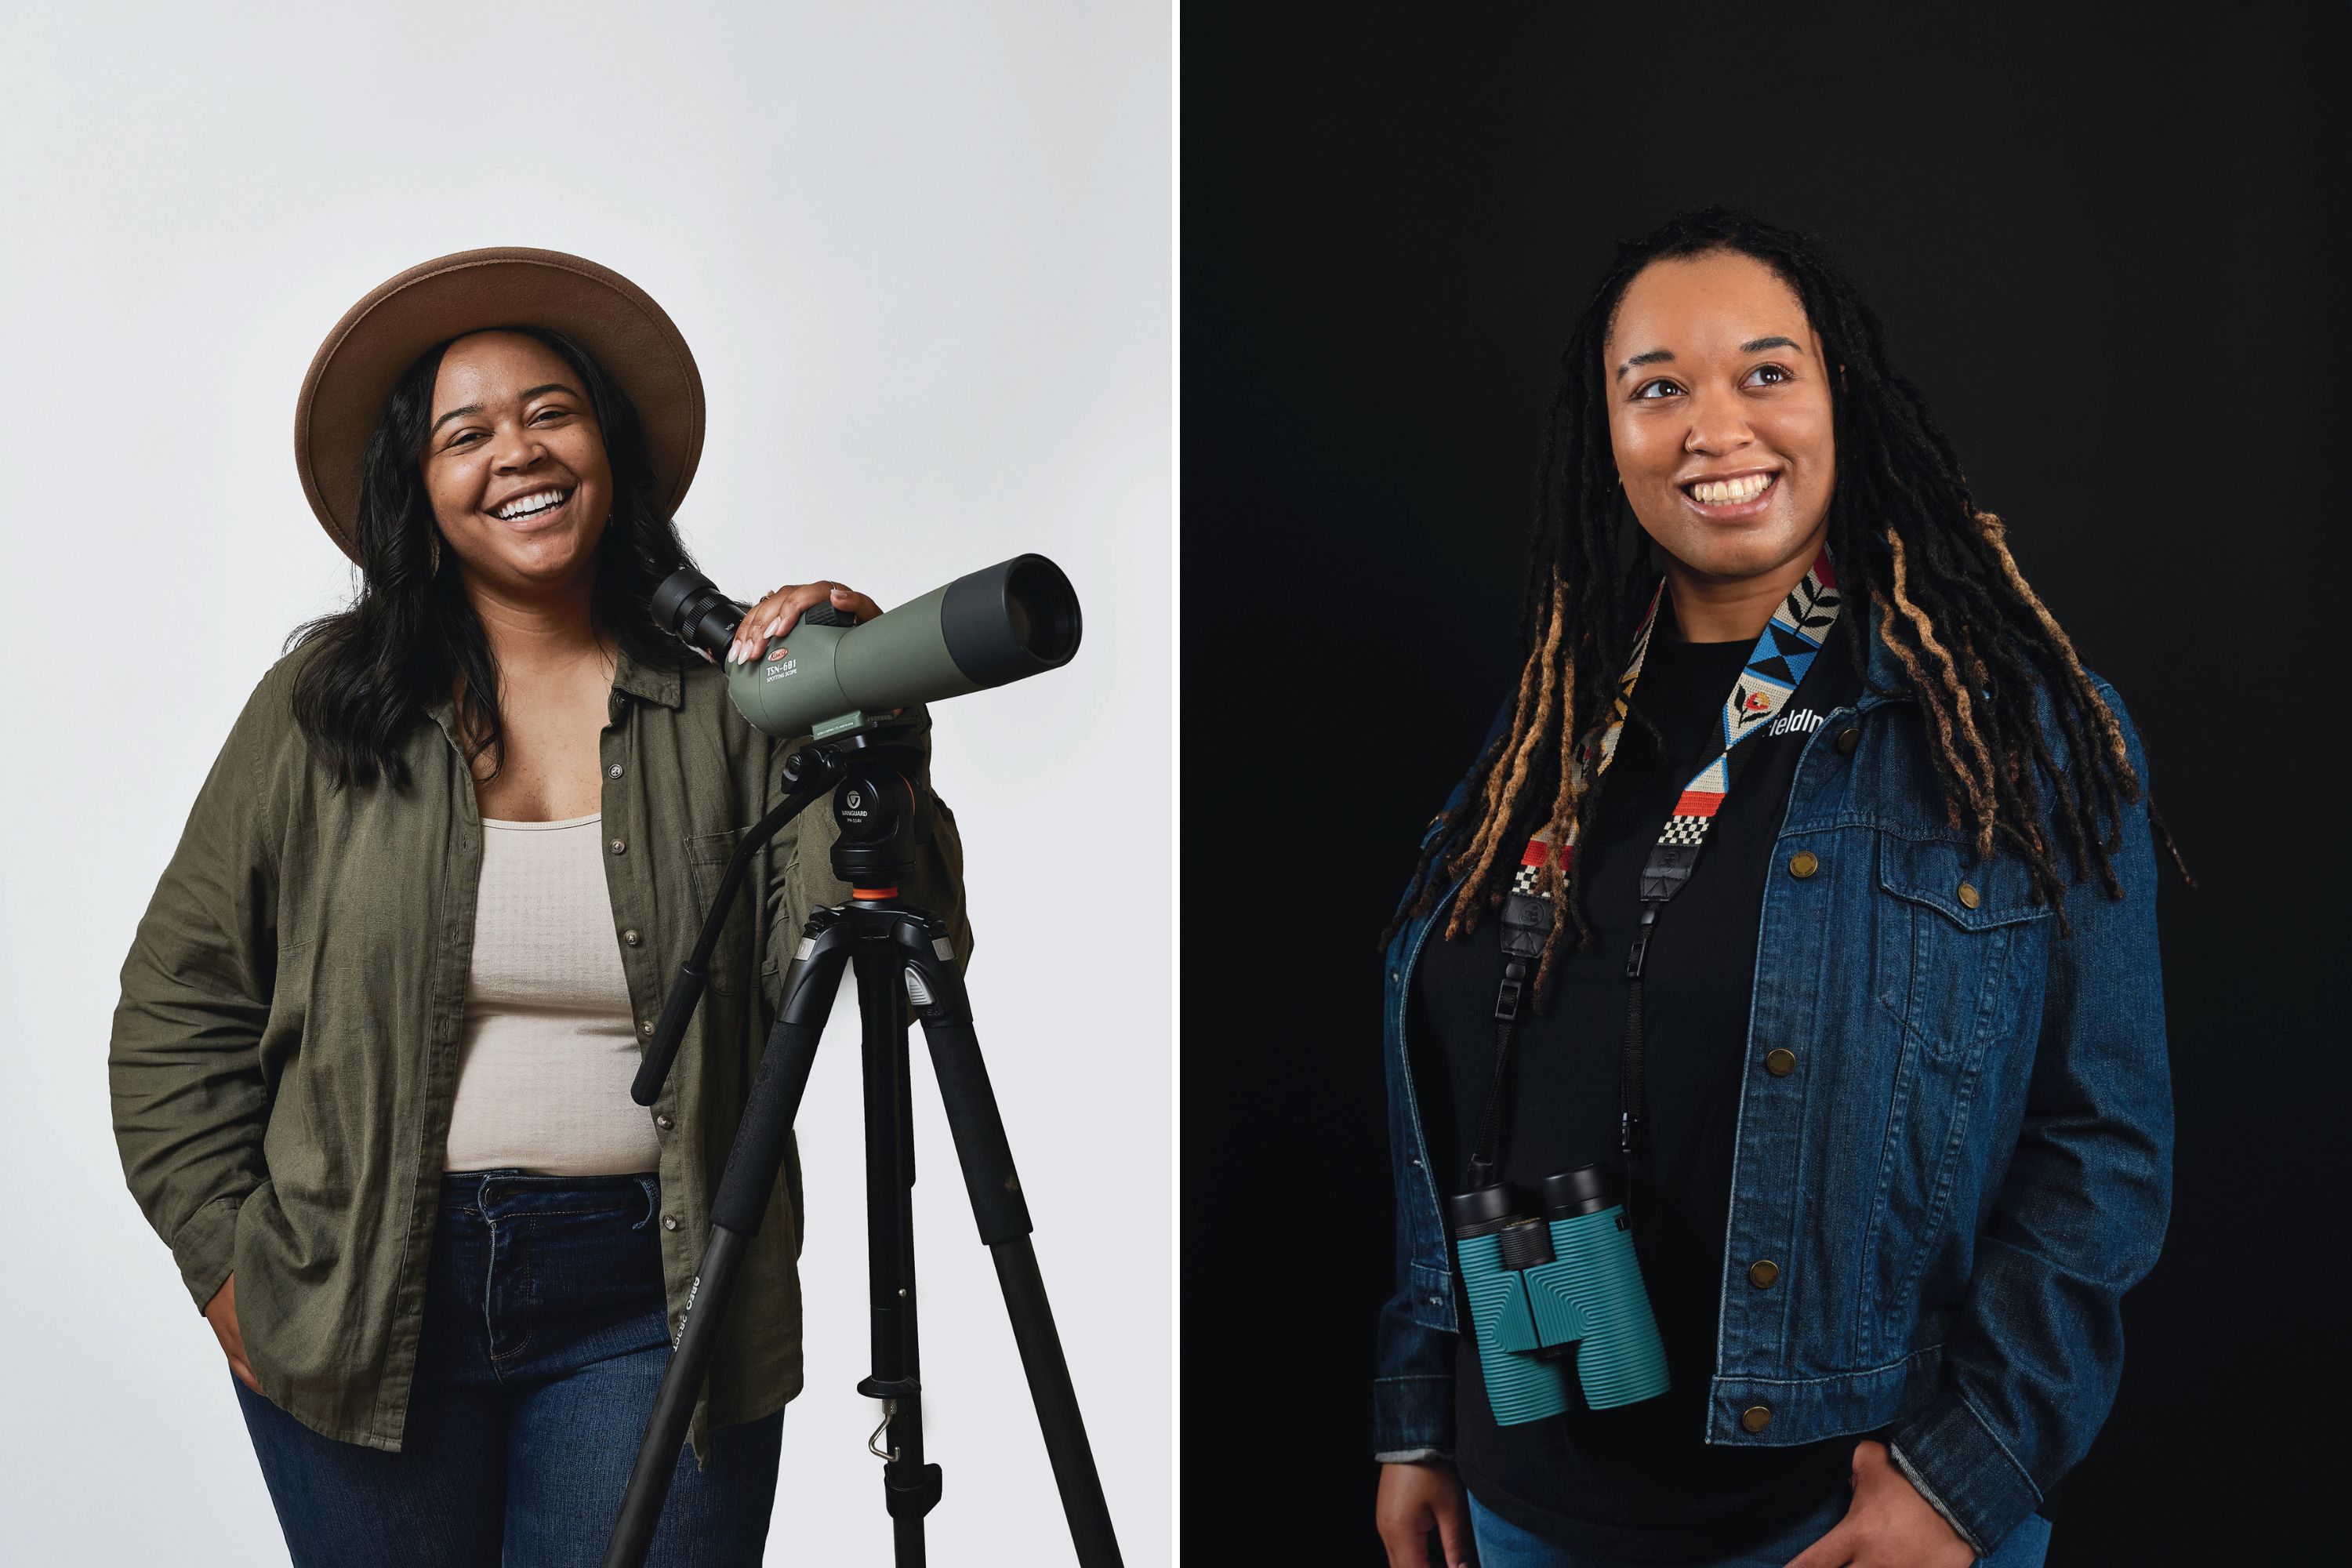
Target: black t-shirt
1639,1481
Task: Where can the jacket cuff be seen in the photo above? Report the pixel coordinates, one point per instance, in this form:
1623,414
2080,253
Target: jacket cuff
205,1248
1946,1450
1413,1415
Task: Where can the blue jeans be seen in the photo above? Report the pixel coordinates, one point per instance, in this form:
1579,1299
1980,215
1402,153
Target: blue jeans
545,1335
1502,1544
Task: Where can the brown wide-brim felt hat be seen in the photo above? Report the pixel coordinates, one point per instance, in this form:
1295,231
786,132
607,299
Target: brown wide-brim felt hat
353,375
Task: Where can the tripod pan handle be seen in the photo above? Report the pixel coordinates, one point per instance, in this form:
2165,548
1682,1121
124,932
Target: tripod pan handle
663,1049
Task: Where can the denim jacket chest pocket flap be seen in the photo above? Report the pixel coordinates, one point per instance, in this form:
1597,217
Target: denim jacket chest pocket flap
1957,939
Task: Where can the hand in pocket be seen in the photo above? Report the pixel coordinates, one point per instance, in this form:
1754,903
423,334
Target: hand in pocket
1888,1524
221,1313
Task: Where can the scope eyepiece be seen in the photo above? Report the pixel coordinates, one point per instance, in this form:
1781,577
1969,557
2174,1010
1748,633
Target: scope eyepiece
690,608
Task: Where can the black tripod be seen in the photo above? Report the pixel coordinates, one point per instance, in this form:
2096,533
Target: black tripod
898,952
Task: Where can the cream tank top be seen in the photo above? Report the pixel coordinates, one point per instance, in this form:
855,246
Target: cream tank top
550,1045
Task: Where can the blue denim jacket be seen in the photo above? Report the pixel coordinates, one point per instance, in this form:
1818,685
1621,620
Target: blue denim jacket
1969,1165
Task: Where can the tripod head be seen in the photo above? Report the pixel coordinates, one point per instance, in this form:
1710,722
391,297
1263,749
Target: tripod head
884,819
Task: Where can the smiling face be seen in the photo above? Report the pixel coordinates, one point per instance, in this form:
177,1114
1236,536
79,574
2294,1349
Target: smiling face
1720,417
515,463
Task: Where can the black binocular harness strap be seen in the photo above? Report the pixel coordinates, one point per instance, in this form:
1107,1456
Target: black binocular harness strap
1786,648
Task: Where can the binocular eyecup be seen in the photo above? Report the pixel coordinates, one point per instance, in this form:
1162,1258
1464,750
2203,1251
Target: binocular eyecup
1584,1189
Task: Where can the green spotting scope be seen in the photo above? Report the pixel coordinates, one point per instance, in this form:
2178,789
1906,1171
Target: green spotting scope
827,674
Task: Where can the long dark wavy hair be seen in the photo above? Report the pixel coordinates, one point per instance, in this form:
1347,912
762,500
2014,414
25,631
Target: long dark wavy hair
1955,611
396,651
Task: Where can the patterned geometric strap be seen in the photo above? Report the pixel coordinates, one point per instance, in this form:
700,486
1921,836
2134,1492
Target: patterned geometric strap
1786,648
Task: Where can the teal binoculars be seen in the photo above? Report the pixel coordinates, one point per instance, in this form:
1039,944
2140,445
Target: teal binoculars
1556,1296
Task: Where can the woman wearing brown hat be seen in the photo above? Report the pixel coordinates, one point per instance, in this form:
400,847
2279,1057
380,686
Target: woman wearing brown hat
370,1067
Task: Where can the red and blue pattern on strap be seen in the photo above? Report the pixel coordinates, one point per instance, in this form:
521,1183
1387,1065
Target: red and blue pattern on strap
1786,648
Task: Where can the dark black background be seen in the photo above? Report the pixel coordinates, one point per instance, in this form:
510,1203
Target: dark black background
2096,245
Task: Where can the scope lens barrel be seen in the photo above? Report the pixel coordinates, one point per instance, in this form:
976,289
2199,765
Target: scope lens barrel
1016,619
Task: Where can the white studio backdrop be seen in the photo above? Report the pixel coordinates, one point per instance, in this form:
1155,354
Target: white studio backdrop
922,254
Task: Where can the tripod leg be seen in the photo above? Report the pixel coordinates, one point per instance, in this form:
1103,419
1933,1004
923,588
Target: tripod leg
938,993
911,1488
761,1140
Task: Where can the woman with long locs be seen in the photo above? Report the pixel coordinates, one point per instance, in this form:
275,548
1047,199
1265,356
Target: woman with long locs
1780,1109
372,1062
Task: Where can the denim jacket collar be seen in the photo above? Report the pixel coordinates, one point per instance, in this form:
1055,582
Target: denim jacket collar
1884,677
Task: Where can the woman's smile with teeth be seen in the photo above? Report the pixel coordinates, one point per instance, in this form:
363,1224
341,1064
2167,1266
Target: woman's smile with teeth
1730,492
530,505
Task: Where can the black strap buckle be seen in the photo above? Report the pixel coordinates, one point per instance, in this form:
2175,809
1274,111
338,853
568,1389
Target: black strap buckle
1506,1002
1642,938
1506,999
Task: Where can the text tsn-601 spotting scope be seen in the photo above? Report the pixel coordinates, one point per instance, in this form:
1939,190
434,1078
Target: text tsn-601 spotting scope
855,691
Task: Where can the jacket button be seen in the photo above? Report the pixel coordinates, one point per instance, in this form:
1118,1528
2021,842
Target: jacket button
669,1222
1779,1061
620,846
1847,740
1969,895
1762,1272
613,771
664,1122
632,938
1803,864
1756,1418
647,1028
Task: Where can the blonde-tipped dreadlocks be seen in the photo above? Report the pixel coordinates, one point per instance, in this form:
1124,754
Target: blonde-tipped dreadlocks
1980,648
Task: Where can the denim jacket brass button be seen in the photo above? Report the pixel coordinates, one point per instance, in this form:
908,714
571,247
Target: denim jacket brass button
1968,898
1847,740
1756,1418
1803,864
1779,1061
1762,1273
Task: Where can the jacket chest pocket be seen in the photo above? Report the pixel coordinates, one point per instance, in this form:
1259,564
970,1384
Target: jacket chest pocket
1956,936
706,855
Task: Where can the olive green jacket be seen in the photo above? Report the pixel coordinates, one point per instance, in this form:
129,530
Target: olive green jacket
285,1050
